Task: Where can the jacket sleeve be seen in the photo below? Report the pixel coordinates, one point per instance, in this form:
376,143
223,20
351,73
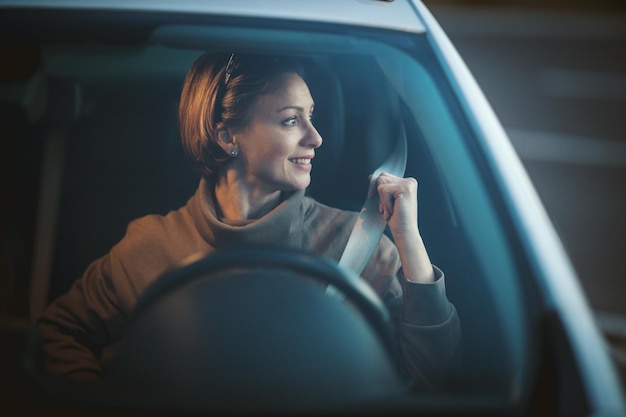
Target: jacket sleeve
81,328
79,324
429,332
428,329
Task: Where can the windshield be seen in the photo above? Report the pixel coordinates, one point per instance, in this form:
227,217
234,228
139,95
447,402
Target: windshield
122,160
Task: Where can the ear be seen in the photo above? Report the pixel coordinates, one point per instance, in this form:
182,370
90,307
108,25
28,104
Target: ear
225,140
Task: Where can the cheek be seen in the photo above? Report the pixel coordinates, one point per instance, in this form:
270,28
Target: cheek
267,159
277,152
269,147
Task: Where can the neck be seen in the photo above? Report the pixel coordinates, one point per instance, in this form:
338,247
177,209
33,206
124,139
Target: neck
238,200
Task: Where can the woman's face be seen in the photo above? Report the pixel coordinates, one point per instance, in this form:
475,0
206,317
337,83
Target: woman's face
277,147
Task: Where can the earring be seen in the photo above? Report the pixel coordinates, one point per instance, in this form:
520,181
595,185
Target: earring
233,153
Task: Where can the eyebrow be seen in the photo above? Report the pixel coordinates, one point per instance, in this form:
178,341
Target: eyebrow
298,108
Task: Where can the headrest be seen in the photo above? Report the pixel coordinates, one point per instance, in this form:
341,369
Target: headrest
329,113
31,94
369,115
330,123
45,99
64,101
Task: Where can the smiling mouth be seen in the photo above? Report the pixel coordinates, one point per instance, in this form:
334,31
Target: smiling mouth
301,161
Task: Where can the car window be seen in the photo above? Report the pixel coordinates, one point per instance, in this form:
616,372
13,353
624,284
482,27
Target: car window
123,160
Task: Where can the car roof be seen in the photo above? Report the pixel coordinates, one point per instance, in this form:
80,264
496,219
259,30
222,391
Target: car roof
401,15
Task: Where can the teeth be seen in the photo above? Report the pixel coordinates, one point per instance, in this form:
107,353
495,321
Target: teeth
303,161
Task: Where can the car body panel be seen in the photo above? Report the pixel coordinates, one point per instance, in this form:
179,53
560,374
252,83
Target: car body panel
395,15
544,247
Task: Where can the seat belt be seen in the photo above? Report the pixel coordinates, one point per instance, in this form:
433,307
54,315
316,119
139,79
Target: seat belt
370,225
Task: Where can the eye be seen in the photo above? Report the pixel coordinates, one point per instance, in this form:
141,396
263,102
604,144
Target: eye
292,121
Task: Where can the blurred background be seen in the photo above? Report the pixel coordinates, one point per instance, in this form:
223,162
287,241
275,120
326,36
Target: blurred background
555,74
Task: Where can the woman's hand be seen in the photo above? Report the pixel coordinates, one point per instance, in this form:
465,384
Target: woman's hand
397,203
398,206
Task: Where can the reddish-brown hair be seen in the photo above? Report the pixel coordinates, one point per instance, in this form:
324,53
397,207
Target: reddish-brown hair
208,104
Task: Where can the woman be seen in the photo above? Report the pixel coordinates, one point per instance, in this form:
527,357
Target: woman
245,122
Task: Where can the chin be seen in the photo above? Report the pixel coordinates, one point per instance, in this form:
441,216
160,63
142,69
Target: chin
296,186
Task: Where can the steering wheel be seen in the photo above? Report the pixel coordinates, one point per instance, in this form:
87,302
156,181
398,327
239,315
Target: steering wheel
255,329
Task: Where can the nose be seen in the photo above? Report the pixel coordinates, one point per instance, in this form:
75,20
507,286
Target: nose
312,138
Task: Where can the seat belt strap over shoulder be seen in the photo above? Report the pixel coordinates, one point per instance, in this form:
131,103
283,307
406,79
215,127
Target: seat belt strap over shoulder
370,225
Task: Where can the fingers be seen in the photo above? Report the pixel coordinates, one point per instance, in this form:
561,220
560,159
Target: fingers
390,190
386,191
386,206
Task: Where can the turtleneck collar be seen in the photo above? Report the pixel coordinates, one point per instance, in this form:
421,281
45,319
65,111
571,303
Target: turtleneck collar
281,226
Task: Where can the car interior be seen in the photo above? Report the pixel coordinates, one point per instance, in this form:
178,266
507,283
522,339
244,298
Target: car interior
90,142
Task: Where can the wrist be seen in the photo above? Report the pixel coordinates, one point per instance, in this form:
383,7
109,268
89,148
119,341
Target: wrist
424,275
414,257
411,233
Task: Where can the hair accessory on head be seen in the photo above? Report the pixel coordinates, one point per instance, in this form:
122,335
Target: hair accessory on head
233,152
229,68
